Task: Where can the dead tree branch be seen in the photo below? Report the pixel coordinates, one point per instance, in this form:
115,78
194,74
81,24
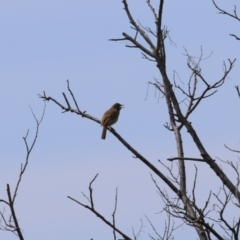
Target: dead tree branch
12,224
15,221
112,130
185,158
221,11
233,15
238,91
93,210
29,148
113,215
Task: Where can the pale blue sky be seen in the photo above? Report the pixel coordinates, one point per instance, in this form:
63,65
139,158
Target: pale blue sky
44,43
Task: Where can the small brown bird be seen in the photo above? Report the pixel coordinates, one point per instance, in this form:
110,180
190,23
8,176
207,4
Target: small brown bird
110,117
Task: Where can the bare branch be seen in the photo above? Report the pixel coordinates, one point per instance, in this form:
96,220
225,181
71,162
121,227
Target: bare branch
73,97
17,228
221,11
160,38
238,91
12,224
91,191
138,45
230,229
185,158
113,215
232,150
194,184
152,9
93,210
236,37
1,200
233,15
29,149
137,27
137,235
102,218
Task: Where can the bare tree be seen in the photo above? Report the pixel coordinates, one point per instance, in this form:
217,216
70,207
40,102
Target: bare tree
209,221
11,222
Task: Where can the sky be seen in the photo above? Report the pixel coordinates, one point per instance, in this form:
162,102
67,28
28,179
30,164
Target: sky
43,44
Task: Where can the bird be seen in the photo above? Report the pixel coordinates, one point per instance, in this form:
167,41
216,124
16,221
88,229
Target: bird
110,117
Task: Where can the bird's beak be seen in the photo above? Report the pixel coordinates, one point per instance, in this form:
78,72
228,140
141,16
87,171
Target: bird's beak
122,106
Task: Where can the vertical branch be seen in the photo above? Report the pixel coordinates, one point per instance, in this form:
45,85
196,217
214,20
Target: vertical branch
175,114
161,59
160,39
69,89
113,215
17,228
29,149
238,91
12,224
91,191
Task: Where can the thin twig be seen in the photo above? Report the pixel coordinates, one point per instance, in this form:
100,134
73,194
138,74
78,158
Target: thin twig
113,215
29,149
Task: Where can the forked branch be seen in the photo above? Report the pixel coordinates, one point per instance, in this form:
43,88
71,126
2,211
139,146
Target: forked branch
93,210
29,148
233,15
12,223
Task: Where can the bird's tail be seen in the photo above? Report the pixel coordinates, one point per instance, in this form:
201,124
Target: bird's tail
104,132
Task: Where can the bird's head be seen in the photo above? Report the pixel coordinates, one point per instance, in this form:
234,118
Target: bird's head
118,106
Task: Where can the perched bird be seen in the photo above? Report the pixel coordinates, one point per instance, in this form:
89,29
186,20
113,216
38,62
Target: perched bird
110,117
